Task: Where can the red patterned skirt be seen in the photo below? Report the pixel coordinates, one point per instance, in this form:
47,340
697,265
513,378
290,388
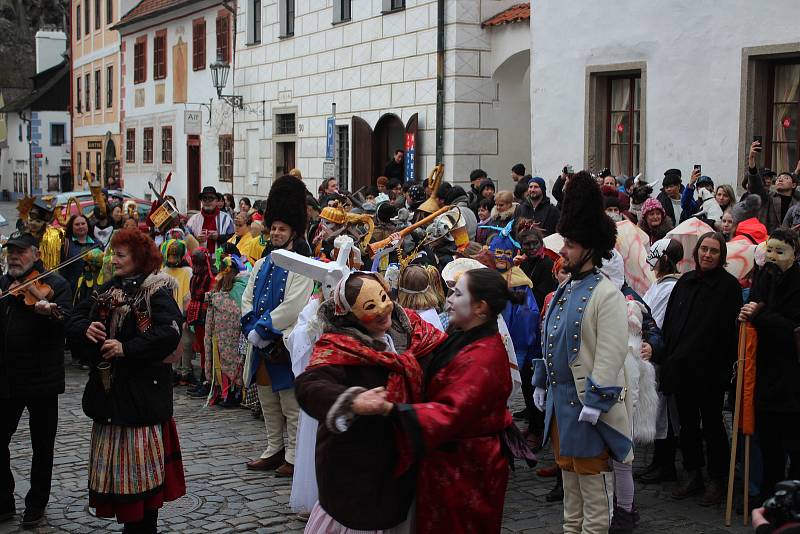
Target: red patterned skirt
133,469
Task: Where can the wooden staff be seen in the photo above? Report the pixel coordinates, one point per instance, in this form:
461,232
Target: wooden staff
736,414
376,246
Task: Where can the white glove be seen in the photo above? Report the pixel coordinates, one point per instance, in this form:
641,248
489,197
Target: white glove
539,398
257,340
589,415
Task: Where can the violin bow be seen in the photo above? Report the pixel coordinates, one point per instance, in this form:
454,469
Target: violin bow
48,271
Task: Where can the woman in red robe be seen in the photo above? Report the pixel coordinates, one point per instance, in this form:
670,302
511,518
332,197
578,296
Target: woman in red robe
456,434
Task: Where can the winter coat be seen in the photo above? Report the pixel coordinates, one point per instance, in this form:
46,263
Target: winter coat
750,231
777,361
470,219
545,214
700,332
770,214
657,233
32,355
356,465
141,389
540,271
666,203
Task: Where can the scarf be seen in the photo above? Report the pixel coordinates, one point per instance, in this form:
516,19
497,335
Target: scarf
210,224
199,285
404,384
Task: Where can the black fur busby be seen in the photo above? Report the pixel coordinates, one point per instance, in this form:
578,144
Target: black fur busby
287,203
583,218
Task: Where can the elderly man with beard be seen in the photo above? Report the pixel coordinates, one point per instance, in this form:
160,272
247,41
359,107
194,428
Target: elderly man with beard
211,226
271,304
774,310
537,207
31,374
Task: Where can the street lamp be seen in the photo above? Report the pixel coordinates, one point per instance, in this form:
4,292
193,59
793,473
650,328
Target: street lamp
219,77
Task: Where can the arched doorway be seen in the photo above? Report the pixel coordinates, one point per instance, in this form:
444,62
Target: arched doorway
111,167
370,150
511,115
389,136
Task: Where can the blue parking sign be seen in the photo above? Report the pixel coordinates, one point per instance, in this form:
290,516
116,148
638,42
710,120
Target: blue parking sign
329,144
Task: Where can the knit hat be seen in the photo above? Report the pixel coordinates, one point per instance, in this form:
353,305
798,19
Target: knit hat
542,184
385,212
583,218
670,180
703,181
485,184
652,204
417,194
748,208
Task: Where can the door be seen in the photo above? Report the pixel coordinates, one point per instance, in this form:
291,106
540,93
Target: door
361,154
389,137
193,172
284,162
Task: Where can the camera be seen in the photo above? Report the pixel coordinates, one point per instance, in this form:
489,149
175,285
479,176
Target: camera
784,506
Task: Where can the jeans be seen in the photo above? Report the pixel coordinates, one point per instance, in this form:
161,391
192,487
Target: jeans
43,421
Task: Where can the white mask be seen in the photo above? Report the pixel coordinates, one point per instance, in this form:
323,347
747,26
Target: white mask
459,304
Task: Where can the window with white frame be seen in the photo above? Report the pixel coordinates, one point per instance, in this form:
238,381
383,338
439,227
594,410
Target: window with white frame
342,10
286,14
254,22
393,5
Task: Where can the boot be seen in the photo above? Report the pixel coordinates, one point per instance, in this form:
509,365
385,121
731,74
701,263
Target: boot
658,475
623,521
693,485
598,498
573,503
557,493
714,493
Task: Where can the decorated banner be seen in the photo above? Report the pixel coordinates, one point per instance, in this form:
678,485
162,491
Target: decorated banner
411,151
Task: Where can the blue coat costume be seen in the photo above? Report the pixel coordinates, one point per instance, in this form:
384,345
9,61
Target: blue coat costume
268,294
579,342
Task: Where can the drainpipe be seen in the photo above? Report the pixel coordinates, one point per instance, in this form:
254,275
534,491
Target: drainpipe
233,9
440,82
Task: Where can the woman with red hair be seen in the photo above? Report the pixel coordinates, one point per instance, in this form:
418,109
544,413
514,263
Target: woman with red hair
129,326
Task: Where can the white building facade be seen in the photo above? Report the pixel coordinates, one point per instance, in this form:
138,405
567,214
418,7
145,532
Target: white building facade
35,154
377,61
171,120
647,86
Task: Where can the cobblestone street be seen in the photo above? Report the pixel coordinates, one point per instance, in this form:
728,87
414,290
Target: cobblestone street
224,497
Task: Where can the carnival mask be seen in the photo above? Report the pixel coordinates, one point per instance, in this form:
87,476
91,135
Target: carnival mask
503,247
503,259
780,253
373,302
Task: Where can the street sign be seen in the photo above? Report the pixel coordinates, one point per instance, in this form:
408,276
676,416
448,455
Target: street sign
411,149
330,140
193,122
328,170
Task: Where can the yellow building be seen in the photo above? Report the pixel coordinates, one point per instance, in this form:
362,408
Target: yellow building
95,91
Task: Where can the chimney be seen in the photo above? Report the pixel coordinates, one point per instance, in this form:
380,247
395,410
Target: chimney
50,45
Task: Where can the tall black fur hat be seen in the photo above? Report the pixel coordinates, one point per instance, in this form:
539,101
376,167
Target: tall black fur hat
583,218
286,202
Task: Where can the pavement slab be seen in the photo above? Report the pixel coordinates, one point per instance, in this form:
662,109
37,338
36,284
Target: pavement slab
223,497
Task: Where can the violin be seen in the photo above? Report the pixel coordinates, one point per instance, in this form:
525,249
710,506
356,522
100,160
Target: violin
31,290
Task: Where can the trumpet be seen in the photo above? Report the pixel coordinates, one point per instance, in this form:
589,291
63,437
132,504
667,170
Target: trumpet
375,247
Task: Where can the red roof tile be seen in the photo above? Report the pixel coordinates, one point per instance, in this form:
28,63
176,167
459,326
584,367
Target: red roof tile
514,13
147,8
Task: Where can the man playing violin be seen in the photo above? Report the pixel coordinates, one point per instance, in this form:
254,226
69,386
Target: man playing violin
31,369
